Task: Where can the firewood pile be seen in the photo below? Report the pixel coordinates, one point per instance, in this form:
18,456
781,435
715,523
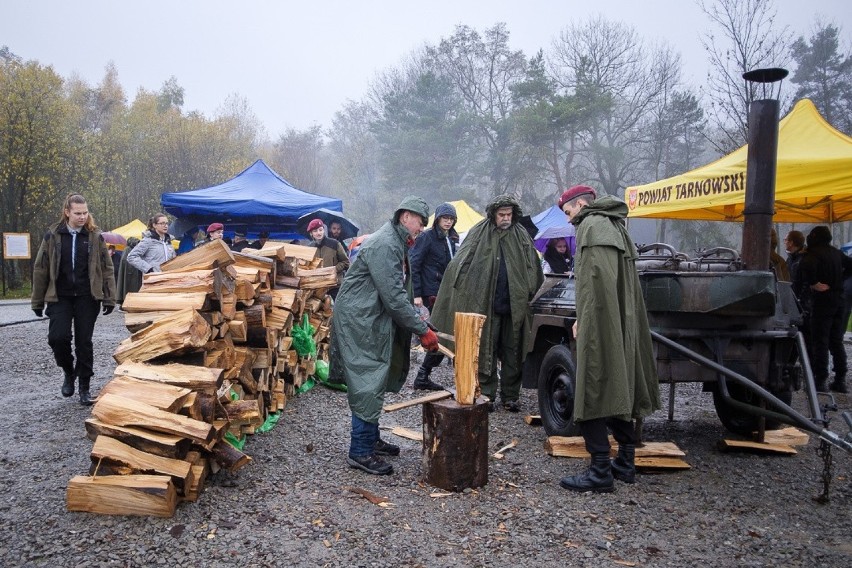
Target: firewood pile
210,358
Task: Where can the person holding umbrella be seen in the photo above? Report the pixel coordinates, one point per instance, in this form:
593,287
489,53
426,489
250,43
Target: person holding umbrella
155,248
330,250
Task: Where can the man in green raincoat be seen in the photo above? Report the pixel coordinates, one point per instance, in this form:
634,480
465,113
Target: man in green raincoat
374,318
496,272
616,372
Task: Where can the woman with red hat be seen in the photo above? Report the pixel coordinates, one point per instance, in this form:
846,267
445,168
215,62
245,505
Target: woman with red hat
330,250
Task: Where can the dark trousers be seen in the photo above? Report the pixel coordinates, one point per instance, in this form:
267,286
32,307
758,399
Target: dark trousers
597,438
81,312
826,336
363,438
509,356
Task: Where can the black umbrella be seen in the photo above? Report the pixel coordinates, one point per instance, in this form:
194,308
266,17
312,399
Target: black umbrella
349,229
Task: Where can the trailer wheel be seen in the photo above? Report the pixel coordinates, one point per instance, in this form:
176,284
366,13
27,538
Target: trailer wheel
736,420
556,392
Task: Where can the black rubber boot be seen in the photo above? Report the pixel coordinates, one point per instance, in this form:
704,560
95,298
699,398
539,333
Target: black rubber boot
68,385
85,397
598,478
839,384
422,381
623,466
821,384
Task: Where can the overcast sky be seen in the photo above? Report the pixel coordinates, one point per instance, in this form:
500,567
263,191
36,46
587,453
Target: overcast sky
298,62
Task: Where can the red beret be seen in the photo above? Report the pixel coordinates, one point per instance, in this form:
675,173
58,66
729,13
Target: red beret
215,227
576,191
315,224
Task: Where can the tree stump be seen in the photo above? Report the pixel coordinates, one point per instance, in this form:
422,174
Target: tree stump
455,444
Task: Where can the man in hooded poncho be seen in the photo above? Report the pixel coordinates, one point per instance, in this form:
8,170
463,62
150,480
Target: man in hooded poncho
496,272
374,318
616,373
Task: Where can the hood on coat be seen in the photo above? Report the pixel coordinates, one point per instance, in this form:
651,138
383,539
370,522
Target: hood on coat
504,201
415,205
445,210
819,235
608,206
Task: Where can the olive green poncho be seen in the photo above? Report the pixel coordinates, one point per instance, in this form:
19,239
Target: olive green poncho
616,371
471,278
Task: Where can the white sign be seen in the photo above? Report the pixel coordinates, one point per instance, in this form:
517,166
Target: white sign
16,245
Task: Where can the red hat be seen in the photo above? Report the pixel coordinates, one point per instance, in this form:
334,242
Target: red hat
215,227
576,191
315,224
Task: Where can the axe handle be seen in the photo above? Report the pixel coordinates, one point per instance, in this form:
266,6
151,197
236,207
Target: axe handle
446,351
446,336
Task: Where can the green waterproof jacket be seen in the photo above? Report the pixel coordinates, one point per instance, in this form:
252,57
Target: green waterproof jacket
374,318
616,371
471,278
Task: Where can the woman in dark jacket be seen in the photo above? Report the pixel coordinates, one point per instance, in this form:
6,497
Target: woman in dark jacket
432,252
557,257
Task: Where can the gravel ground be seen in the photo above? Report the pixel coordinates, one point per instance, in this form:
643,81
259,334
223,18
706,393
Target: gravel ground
293,505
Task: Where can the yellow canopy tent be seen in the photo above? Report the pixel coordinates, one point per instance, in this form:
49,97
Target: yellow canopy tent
813,180
135,228
467,217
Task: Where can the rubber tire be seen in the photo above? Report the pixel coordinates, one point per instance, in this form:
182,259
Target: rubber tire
556,381
736,420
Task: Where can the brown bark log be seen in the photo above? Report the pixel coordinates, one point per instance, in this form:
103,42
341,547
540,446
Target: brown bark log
157,443
455,444
152,495
109,453
229,457
121,411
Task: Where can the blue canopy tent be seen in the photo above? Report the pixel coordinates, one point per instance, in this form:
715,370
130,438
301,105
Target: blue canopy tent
255,200
553,223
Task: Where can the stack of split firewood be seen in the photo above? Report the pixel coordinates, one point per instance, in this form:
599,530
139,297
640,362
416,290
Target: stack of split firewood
210,357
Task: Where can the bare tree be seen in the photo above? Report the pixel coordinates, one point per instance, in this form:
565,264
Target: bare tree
743,37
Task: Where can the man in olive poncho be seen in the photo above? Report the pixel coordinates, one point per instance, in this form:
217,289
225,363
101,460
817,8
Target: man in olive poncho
616,373
374,318
496,272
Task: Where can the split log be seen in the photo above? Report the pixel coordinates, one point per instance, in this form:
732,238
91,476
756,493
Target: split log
120,411
455,444
163,301
468,328
228,305
188,376
245,411
229,457
287,298
192,281
200,470
209,255
152,495
162,396
183,331
140,320
157,443
318,278
255,316
108,453
237,330
730,445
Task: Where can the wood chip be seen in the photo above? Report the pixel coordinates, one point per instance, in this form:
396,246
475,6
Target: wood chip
371,497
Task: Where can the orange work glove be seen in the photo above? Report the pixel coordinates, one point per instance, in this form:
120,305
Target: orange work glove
429,341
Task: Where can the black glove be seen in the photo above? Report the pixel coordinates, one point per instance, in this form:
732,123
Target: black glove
39,312
108,310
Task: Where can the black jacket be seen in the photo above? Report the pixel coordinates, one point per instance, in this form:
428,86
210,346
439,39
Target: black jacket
826,264
429,259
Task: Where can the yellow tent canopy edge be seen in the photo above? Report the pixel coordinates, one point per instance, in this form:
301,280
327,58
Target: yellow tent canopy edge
813,179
